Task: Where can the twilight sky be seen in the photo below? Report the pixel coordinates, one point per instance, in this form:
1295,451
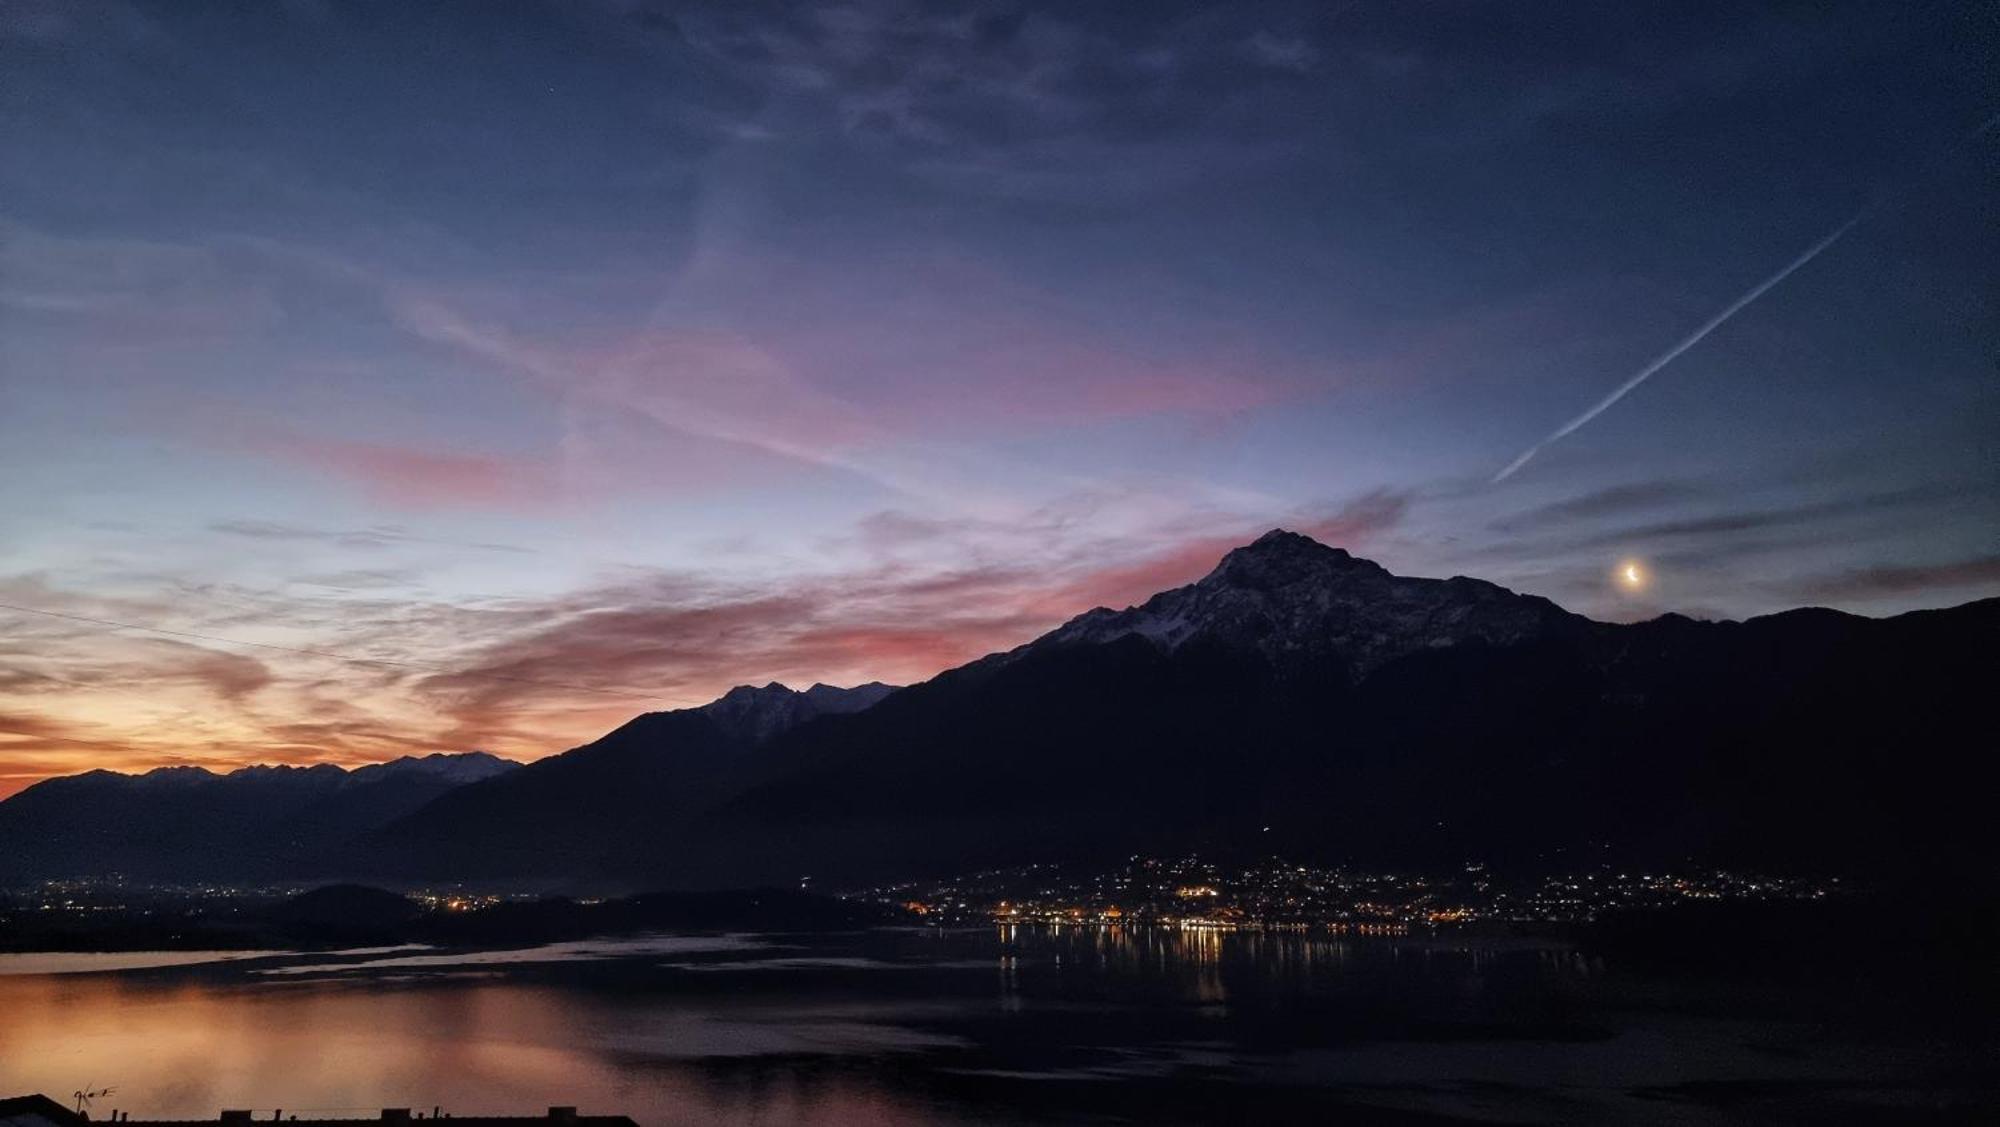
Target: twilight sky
576,360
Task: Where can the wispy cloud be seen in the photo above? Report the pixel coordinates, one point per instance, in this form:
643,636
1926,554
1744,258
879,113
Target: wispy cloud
711,384
1071,299
358,672
231,677
691,637
998,372
375,537
404,476
127,292
1610,501
1863,583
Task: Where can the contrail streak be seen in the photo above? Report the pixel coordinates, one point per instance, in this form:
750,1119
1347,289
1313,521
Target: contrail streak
1711,325
1692,339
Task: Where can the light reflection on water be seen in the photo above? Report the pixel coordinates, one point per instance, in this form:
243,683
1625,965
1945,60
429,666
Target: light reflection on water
36,963
546,953
188,1047
889,1027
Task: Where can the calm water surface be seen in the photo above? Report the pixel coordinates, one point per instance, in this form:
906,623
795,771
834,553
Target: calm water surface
981,1026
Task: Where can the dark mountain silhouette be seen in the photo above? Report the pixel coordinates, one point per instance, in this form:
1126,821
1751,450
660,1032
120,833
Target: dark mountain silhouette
1298,604
1300,700
754,715
585,806
1296,700
179,823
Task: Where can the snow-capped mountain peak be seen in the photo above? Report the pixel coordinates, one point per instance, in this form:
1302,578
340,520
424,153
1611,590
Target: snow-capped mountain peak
448,767
759,712
1289,597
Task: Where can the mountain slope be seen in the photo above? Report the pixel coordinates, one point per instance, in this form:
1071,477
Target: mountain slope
1290,598
1295,701
186,823
754,714
1362,716
1302,701
594,807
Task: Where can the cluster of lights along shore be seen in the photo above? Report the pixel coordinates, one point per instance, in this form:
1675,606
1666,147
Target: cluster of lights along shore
1190,892
1184,892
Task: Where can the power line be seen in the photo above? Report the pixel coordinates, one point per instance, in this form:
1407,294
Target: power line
629,694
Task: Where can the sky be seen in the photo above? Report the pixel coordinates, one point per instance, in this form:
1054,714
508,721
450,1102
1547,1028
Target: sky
380,379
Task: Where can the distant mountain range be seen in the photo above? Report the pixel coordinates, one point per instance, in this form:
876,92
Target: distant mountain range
1297,700
189,823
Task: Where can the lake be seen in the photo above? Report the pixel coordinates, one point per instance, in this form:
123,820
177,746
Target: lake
985,1025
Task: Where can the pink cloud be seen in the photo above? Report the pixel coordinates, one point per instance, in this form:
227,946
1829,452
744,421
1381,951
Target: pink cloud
1359,520
1052,382
1119,585
974,370
532,677
1127,584
404,475
406,472
716,387
784,388
680,643
232,677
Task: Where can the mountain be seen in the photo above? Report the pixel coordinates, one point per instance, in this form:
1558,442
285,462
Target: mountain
444,768
1302,701
583,811
1291,600
755,715
470,813
184,823
1298,701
